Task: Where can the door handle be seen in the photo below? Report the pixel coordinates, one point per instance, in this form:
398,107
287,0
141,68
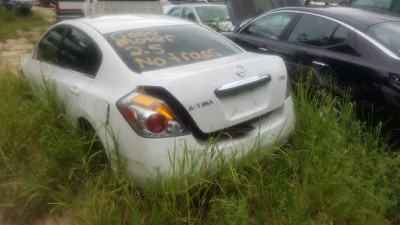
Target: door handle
320,64
75,91
264,49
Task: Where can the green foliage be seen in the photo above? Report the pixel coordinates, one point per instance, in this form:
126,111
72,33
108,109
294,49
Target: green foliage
333,170
9,19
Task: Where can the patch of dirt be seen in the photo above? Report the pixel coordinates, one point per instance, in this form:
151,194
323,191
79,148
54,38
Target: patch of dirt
12,50
48,12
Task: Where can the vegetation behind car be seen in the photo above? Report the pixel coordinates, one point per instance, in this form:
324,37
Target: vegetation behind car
8,20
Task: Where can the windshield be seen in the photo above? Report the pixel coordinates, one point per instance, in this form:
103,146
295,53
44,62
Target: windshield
380,4
155,48
215,13
388,35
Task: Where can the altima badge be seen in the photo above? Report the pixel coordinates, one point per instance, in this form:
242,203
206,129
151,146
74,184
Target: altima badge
240,71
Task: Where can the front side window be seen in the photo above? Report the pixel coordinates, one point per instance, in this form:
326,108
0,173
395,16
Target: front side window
188,14
318,31
48,46
388,35
175,12
270,26
78,53
155,48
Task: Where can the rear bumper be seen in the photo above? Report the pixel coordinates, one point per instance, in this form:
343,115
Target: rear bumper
145,158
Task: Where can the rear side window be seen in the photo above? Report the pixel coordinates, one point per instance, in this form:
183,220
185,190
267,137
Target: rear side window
162,47
47,47
79,53
270,26
318,31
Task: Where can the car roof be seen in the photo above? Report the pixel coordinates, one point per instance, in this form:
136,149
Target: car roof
114,23
355,17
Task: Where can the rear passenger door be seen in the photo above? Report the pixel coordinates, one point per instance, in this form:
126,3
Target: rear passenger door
79,60
76,64
320,43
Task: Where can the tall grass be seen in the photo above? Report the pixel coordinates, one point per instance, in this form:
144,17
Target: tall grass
11,23
333,170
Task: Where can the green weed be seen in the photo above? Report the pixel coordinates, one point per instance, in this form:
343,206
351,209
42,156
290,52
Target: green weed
333,170
11,24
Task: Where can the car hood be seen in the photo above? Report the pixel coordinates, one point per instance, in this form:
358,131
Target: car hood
225,92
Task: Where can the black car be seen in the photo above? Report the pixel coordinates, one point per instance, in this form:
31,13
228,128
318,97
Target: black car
357,49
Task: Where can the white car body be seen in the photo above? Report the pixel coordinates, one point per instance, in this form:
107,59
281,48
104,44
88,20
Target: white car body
213,95
108,7
192,12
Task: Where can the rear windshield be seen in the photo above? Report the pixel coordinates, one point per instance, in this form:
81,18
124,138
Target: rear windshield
168,46
388,35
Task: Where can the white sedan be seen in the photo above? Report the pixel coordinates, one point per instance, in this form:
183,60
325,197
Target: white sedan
154,87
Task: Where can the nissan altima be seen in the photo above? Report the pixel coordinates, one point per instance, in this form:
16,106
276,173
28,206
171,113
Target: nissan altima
154,86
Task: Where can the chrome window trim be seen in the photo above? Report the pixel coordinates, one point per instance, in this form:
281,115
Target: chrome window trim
362,34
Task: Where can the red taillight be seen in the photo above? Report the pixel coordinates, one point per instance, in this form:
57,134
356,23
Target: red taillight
156,123
149,116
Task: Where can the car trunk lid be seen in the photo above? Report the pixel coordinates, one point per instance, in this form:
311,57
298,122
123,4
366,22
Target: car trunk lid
225,92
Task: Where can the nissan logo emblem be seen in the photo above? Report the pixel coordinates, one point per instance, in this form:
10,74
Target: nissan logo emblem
240,71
